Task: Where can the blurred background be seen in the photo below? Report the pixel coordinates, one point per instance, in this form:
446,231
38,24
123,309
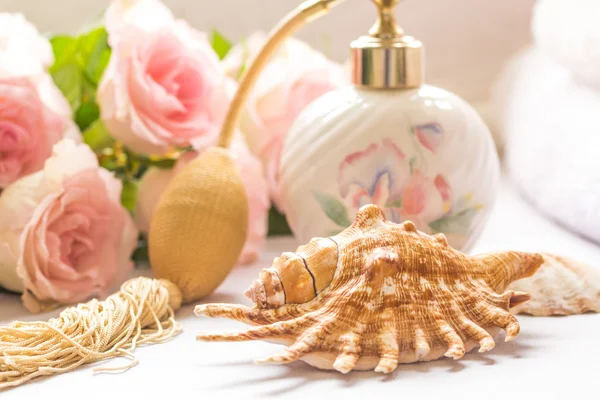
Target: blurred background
539,95
467,41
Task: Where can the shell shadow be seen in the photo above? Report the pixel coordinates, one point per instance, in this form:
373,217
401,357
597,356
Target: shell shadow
300,374
516,349
297,375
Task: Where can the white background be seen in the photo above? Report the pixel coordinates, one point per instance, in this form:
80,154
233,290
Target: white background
467,41
552,358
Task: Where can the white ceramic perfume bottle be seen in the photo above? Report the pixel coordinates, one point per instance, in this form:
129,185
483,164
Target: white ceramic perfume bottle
420,152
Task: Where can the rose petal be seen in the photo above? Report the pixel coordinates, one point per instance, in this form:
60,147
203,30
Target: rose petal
78,239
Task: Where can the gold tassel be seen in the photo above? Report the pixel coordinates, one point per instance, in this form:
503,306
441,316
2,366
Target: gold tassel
142,312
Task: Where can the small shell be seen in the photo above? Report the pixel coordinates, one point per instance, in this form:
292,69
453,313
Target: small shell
296,277
393,295
560,287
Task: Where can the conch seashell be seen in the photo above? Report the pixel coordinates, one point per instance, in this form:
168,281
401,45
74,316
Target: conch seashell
561,287
379,294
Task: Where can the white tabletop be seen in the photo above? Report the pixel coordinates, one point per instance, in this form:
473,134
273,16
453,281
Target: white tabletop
553,358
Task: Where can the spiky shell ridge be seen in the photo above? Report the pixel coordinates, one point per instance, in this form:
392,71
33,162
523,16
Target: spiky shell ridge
397,296
300,276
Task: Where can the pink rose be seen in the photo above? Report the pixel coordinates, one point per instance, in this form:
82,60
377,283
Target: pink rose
23,51
297,76
155,181
34,115
164,86
29,126
64,235
147,15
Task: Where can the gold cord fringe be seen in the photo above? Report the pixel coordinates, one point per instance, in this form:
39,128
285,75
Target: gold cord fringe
142,312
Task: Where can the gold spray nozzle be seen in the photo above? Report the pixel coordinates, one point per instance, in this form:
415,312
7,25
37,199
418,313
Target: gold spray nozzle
386,26
386,58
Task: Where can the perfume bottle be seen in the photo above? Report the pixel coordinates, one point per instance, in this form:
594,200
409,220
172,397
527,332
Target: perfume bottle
419,152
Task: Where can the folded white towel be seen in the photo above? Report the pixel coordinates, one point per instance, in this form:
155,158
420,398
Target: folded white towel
552,131
568,31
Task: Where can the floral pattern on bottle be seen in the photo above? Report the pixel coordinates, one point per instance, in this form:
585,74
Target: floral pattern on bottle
385,175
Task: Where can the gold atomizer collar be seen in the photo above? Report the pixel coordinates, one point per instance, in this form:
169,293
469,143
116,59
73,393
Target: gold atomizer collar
386,58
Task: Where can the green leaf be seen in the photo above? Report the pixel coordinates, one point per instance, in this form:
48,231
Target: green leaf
78,67
335,210
457,223
394,204
69,79
220,44
64,49
129,194
245,58
93,54
278,225
463,202
86,114
241,71
88,111
97,136
163,163
412,163
158,162
140,255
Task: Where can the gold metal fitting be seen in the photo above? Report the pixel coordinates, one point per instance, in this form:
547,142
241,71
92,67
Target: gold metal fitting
386,58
